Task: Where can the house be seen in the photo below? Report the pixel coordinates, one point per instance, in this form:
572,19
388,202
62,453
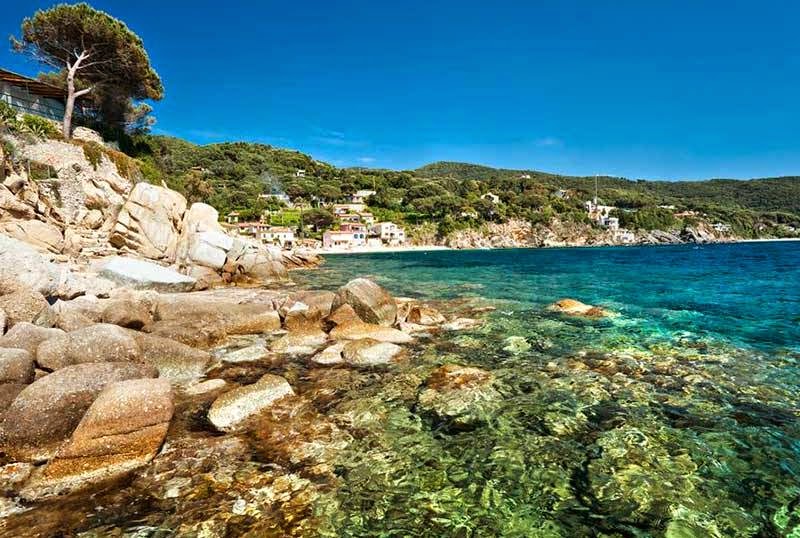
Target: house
278,235
232,217
561,193
525,176
389,233
30,96
360,197
300,172
721,227
367,218
343,209
349,217
252,229
344,238
358,228
601,214
491,197
280,197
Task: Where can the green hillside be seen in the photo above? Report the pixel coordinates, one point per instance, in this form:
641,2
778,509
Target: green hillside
230,176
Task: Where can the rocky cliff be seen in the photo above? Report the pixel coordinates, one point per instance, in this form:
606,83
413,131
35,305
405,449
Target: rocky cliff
80,201
560,233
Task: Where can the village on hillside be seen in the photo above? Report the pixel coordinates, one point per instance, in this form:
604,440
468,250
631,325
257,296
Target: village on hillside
353,227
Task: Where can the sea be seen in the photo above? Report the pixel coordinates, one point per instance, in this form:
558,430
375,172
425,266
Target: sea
677,416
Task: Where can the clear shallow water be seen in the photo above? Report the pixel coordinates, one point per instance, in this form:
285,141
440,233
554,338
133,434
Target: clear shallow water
677,418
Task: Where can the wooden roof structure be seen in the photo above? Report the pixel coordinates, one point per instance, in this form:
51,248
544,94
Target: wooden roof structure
32,85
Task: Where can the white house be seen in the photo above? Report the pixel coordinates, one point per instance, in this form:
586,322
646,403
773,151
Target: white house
278,235
491,197
344,239
601,214
280,197
721,227
232,217
389,233
300,172
344,209
360,197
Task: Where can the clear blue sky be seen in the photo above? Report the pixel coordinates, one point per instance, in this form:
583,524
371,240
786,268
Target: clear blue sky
643,89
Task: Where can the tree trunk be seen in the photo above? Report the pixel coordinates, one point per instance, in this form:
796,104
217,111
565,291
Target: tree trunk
70,105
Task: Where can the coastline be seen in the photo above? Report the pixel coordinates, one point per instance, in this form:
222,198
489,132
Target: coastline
426,248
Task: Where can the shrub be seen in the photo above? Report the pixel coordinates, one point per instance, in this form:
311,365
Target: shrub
39,127
93,153
8,116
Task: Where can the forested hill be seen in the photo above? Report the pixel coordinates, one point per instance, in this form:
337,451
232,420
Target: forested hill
765,194
450,195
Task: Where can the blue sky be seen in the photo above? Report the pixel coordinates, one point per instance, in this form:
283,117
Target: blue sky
655,89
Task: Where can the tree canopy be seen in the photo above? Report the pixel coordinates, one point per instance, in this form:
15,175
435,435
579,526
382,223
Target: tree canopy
95,55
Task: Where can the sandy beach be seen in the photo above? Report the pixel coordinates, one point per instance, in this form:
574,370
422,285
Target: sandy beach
375,250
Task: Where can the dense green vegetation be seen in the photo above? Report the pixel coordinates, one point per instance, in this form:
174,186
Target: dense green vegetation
231,176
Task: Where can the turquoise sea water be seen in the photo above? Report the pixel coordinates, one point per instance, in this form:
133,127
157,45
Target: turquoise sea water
678,417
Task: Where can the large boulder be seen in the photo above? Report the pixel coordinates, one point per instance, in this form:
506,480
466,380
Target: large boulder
143,275
16,366
371,302
35,232
28,336
97,343
174,360
248,318
46,412
357,330
209,249
11,206
149,222
122,430
305,310
22,305
230,410
126,313
23,262
253,263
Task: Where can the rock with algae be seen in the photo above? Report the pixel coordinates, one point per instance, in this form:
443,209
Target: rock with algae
461,395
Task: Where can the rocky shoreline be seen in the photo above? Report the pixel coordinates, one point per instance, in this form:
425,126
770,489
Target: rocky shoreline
115,396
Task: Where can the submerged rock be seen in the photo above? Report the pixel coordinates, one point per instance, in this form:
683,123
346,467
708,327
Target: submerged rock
330,356
461,324
357,330
304,343
371,302
369,352
252,353
461,395
122,430
516,344
425,315
231,409
571,307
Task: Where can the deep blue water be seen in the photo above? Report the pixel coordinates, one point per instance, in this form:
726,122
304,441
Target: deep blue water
745,293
